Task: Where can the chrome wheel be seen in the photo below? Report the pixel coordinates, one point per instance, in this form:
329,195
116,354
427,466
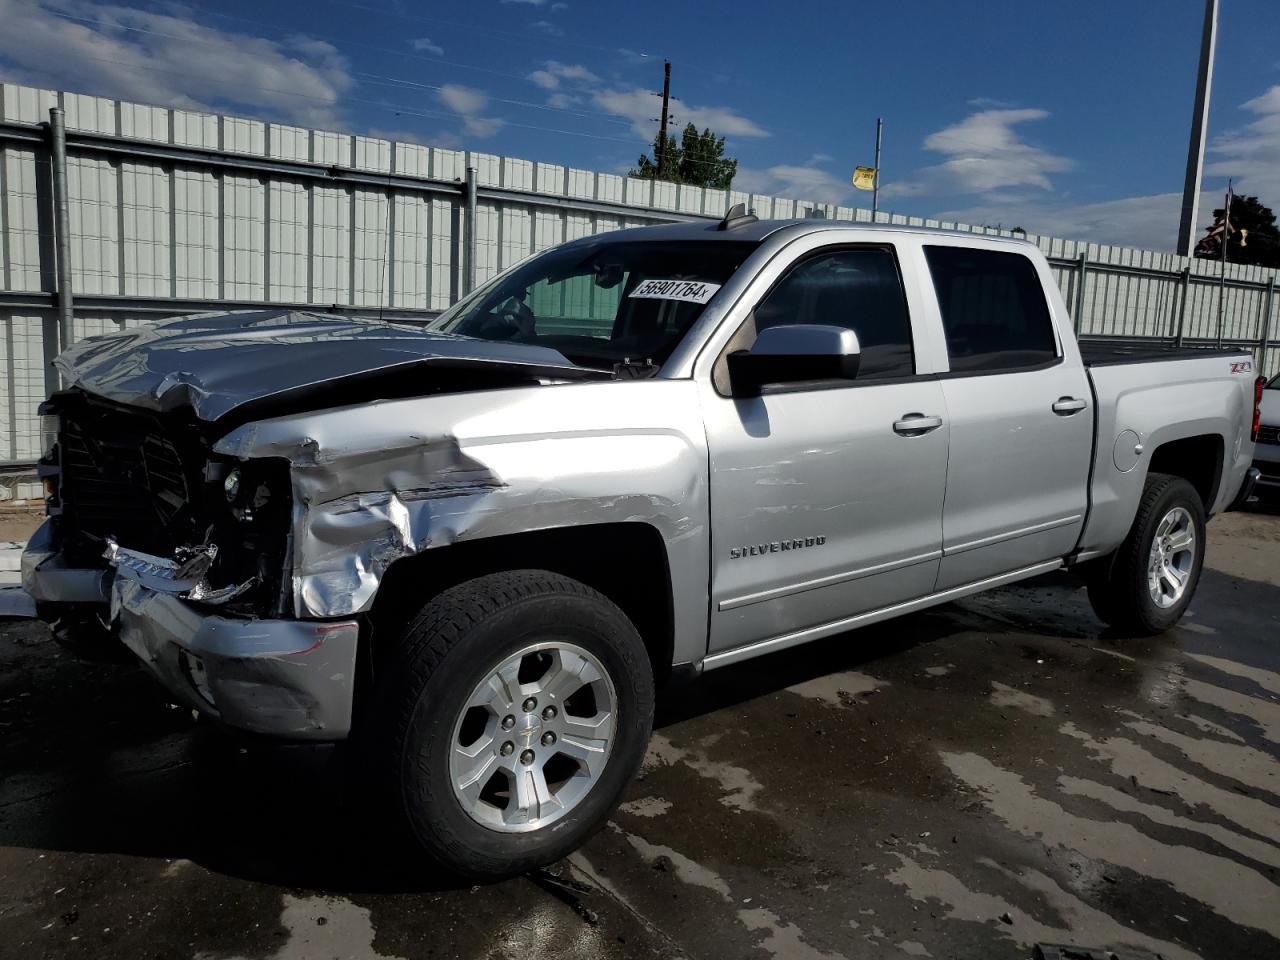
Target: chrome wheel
1173,555
533,737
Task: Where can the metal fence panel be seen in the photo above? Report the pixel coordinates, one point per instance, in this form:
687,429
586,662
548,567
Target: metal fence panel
177,210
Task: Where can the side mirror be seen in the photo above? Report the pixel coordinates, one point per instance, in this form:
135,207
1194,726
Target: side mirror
795,353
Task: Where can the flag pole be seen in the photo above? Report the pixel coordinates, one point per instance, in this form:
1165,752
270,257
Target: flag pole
875,178
1222,281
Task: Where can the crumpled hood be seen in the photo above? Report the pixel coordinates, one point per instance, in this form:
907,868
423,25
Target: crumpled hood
214,363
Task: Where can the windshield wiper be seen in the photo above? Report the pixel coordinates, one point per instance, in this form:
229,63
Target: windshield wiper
629,369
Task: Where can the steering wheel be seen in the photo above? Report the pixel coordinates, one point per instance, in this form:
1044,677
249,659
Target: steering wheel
512,320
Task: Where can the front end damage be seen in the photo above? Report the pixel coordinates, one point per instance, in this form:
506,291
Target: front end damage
228,492
155,542
241,563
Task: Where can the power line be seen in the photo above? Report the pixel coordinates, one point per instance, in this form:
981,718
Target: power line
377,79
374,77
476,28
346,41
381,80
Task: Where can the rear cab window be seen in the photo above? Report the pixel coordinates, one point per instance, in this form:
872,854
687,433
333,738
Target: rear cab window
994,313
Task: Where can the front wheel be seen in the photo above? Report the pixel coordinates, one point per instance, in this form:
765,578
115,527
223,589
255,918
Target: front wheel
516,715
1147,584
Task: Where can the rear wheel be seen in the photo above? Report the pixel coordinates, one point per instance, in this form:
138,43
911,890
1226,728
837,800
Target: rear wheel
516,714
1149,581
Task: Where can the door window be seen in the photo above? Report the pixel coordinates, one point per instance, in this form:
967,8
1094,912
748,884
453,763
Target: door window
993,309
857,288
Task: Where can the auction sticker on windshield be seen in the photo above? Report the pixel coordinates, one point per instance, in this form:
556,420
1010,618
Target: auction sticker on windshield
690,291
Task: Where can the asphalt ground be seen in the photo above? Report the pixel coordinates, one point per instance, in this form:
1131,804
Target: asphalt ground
966,782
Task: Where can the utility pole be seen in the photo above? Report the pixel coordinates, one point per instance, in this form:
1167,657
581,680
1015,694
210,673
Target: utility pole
875,182
1222,279
662,128
1199,123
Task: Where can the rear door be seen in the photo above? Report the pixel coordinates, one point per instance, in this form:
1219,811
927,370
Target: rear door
1020,412
826,497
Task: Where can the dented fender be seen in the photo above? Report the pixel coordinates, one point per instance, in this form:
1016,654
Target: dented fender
375,483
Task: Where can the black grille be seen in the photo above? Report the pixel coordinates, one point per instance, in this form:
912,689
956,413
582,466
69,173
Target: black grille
1269,435
122,477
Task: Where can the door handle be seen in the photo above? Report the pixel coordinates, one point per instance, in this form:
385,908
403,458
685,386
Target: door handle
1067,406
915,424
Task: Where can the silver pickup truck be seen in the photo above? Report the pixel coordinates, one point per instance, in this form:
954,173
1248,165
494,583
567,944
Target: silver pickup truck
476,548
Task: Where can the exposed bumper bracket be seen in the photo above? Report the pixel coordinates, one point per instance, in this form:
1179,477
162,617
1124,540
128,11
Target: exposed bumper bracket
284,678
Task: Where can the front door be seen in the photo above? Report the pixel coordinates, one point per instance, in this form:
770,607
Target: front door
826,497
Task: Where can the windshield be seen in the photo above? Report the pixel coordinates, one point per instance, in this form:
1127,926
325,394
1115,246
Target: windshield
1275,383
601,303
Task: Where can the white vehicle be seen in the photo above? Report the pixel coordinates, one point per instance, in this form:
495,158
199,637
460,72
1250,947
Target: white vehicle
1266,455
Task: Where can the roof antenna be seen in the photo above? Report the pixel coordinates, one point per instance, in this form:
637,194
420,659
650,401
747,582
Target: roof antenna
738,216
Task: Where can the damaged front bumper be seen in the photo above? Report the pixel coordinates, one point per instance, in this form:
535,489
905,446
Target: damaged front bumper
47,578
283,678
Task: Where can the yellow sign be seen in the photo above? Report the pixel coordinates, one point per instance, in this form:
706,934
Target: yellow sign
864,178
1244,237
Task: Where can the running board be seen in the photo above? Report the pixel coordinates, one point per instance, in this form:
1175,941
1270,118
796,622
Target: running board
760,647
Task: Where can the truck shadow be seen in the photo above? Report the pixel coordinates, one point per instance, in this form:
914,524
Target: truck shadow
93,761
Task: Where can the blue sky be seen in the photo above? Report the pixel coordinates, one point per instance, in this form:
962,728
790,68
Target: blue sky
1064,118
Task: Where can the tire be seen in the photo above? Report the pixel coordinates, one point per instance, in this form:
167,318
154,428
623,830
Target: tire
1120,589
446,656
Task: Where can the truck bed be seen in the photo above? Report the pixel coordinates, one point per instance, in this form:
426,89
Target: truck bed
1101,353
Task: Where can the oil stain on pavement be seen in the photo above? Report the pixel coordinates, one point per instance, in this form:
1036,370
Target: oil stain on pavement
966,782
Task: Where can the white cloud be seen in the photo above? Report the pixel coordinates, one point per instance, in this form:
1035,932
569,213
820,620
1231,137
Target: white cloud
131,54
984,153
482,127
802,181
1252,153
1148,222
562,101
464,100
441,139
427,45
547,27
528,3
559,7
469,103
641,106
553,72
989,103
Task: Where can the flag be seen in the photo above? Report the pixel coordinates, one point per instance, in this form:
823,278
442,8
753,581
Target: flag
1210,244
864,178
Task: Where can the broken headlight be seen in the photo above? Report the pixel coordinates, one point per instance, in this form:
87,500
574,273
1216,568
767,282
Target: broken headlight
247,512
247,489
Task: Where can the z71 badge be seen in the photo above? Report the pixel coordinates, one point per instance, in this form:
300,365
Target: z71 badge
1242,366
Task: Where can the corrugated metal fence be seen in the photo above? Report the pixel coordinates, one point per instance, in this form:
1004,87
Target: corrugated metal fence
174,211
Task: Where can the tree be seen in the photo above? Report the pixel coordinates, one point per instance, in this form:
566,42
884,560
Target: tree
698,159
1260,247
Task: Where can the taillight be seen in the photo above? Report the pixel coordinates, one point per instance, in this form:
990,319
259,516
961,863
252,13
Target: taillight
1257,406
